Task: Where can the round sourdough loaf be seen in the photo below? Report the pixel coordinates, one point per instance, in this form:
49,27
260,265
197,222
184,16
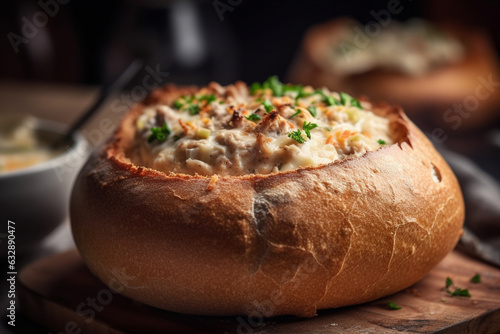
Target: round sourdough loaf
290,242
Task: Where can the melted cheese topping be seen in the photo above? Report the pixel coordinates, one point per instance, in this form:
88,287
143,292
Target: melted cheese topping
229,131
412,48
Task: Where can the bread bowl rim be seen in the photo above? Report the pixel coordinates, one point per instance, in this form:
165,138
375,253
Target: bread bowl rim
115,152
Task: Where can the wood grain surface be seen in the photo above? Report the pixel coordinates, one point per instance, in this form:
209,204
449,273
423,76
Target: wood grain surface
61,294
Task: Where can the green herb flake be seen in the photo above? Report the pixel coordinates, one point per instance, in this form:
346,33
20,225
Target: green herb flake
275,85
296,113
329,100
460,292
193,109
292,89
348,99
381,142
253,117
449,283
255,87
303,94
313,110
278,88
209,98
268,105
296,135
178,104
476,278
356,103
308,127
159,133
393,306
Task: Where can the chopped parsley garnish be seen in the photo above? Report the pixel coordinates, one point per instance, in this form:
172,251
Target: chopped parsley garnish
276,86
209,98
159,133
296,135
279,89
393,306
253,117
313,110
272,83
476,278
268,105
193,109
308,127
346,98
381,142
303,94
254,87
297,89
329,100
295,114
178,104
458,291
186,103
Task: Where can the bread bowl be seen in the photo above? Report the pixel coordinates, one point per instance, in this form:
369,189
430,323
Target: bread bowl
444,75
286,240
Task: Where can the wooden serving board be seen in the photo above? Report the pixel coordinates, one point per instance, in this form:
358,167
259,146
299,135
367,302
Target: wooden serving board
52,292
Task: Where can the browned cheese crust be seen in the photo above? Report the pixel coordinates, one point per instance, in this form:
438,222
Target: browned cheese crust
427,96
285,243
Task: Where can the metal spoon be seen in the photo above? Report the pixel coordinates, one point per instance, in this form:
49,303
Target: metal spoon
105,93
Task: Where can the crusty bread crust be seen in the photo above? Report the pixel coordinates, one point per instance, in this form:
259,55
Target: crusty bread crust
286,243
425,97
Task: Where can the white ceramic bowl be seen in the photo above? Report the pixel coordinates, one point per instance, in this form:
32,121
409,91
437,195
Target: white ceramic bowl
37,198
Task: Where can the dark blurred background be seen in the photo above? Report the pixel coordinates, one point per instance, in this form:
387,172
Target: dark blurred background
90,41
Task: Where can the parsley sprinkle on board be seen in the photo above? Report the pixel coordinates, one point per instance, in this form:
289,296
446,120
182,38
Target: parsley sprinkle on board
476,278
392,306
460,292
381,142
448,283
457,292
